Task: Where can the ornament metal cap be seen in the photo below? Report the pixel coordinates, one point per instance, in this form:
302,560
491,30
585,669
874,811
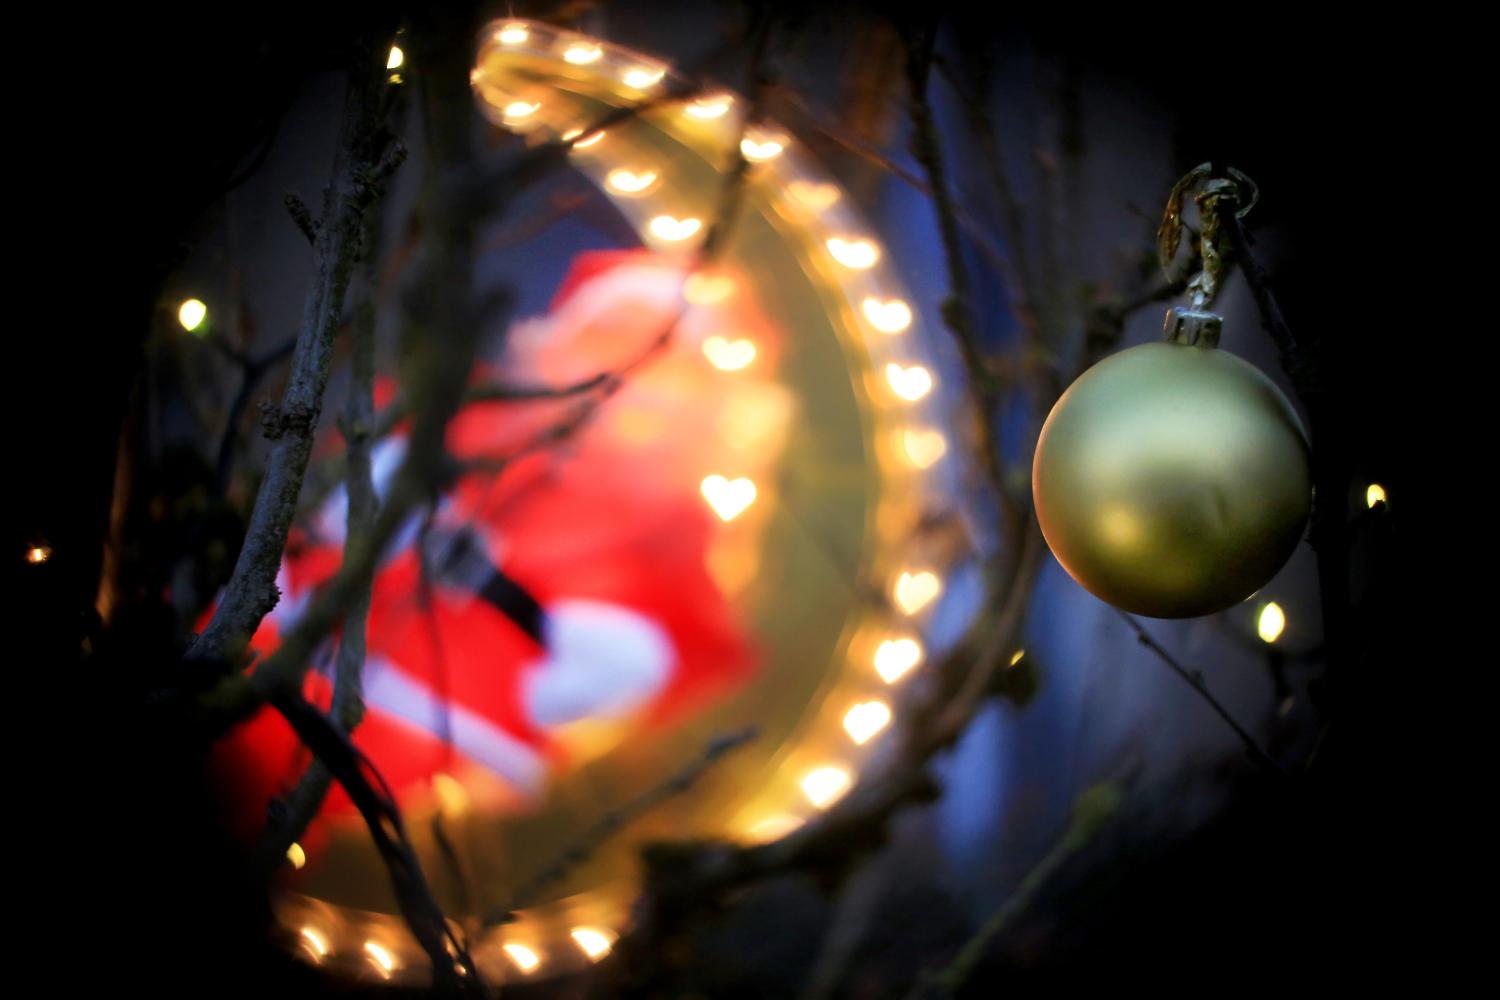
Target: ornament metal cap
1193,327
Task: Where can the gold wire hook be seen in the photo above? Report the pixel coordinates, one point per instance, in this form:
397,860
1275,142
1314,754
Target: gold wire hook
1229,185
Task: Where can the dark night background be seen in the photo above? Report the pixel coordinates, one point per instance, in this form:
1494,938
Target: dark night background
135,121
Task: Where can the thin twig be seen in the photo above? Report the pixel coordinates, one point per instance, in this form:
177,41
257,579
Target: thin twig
1194,678
958,308
252,371
1025,295
842,138
382,817
615,820
1094,808
1296,360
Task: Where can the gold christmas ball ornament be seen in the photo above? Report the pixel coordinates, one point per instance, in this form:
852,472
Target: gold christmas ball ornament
1172,479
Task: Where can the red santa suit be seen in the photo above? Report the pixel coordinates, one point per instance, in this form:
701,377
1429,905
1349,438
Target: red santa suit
570,586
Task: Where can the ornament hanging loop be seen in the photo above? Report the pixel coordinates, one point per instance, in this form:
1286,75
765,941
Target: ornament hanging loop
1220,191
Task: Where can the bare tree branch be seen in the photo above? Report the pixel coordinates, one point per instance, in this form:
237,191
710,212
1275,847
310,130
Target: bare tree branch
251,591
357,424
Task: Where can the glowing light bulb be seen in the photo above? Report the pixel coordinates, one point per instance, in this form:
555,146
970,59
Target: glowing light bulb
913,591
452,797
1374,495
296,855
728,355
594,941
629,182
572,134
895,658
824,785
191,314
524,958
706,108
923,447
396,58
813,196
380,957
891,316
520,110
911,384
582,53
760,151
641,77
728,498
674,230
859,255
1017,656
1271,623
512,34
866,719
314,942
38,554
773,828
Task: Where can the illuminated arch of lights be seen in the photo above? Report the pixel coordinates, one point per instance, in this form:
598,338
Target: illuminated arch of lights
548,84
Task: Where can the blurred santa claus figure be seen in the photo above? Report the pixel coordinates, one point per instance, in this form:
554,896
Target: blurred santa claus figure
539,614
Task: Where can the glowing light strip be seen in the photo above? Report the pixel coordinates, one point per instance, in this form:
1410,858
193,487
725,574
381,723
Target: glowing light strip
852,266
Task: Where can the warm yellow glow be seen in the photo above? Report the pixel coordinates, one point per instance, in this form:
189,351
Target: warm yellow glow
1016,656
314,942
452,797
824,785
1374,495
866,719
754,419
710,107
625,181
518,110
758,152
594,941
856,254
923,447
191,314
38,554
814,196
380,957
895,658
732,563
396,58
296,855
911,384
582,53
526,960
512,34
727,497
666,227
773,828
913,591
572,136
1121,525
891,316
641,77
728,355
707,289
1272,622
